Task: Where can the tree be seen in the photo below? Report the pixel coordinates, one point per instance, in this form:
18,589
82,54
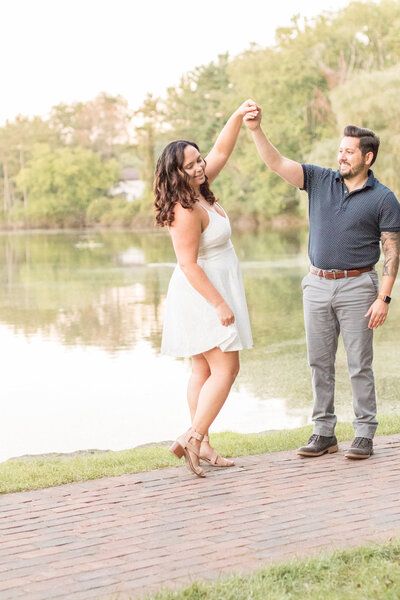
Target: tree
147,131
16,143
61,184
198,108
103,124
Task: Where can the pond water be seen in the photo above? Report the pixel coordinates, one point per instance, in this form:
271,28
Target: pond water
80,330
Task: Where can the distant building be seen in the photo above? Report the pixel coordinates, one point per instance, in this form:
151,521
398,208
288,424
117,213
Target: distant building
129,186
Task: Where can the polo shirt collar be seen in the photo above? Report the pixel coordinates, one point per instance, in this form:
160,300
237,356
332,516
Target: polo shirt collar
368,184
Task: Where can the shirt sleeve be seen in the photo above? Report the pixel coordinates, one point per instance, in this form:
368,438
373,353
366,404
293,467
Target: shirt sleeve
389,217
311,174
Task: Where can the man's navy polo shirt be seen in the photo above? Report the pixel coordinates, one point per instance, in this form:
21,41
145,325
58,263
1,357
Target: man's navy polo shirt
345,228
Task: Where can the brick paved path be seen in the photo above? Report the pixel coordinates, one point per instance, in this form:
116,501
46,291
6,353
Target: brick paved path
126,536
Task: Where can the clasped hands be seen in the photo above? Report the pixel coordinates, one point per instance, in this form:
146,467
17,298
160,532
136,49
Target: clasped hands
251,114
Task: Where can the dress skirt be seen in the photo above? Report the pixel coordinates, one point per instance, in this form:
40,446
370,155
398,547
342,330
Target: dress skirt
191,324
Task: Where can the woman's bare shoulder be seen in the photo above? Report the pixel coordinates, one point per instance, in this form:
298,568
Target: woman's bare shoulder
186,216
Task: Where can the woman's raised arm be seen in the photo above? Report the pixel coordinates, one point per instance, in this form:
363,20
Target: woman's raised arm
223,147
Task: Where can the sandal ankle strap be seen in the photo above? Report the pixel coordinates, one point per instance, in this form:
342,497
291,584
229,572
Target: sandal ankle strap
206,438
196,435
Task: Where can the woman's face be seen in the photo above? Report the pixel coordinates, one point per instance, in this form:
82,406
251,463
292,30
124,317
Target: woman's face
194,165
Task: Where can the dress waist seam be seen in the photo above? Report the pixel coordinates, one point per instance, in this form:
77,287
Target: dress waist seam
218,252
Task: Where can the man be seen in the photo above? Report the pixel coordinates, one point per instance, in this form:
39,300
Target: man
350,212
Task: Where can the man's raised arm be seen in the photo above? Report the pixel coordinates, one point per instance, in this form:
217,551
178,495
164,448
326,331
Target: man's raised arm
290,170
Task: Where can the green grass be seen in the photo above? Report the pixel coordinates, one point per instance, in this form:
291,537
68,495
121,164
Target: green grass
33,473
365,573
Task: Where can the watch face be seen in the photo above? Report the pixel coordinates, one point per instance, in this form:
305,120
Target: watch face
387,299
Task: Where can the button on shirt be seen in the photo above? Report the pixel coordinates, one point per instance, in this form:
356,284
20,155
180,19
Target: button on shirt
345,228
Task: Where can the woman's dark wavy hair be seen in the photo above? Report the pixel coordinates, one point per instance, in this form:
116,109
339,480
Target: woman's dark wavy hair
171,183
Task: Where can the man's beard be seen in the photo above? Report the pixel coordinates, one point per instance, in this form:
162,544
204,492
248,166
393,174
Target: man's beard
351,171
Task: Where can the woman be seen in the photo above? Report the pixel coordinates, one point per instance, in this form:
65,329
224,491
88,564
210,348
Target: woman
206,314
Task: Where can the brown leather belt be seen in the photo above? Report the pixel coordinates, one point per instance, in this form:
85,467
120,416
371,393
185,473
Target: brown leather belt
339,274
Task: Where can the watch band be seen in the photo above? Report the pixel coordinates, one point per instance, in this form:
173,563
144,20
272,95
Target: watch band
386,299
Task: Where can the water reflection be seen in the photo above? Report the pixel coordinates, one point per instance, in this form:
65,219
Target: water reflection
81,319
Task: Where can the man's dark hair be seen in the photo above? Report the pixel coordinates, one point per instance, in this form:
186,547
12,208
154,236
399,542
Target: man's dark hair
369,141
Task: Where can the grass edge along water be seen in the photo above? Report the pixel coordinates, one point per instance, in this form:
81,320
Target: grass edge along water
41,472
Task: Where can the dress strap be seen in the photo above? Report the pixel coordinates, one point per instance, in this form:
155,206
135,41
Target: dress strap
204,208
223,210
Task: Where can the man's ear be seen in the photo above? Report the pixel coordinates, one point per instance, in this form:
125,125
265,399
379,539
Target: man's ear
369,157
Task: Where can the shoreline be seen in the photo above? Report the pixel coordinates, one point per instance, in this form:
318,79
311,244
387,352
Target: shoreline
242,223
91,451
53,469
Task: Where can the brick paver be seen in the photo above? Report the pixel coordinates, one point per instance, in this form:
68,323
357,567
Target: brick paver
124,537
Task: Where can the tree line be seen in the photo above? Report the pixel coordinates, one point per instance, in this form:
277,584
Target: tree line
321,74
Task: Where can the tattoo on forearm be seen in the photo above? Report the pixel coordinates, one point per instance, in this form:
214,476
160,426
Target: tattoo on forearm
391,248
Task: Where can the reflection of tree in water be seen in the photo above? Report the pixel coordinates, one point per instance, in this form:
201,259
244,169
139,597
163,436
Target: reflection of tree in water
262,245
120,318
277,366
86,295
110,291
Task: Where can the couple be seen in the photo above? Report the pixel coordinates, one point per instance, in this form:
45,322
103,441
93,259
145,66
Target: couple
206,316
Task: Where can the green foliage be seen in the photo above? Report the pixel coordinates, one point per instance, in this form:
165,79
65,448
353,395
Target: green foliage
17,141
321,73
101,124
358,102
197,109
146,133
108,212
62,183
305,85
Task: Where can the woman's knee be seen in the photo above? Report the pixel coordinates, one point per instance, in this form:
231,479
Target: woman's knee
230,370
224,365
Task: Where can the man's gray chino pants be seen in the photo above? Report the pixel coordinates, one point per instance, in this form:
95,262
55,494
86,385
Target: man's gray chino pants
333,306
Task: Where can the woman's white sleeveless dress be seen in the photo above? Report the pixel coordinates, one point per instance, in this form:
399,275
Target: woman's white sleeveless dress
191,324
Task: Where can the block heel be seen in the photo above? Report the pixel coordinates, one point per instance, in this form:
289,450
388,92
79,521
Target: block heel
333,449
177,450
183,446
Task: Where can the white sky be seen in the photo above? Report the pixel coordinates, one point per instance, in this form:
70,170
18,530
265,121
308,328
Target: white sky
60,51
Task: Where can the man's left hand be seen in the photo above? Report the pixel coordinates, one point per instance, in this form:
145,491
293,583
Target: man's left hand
378,311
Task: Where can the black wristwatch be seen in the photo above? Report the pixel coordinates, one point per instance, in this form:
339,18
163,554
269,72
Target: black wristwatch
386,299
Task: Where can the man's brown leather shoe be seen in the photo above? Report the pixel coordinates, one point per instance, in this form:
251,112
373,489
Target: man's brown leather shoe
319,444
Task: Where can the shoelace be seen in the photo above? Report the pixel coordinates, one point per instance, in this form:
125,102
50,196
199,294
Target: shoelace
360,442
314,438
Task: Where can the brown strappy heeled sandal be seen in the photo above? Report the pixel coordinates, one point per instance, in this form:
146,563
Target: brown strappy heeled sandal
216,460
182,446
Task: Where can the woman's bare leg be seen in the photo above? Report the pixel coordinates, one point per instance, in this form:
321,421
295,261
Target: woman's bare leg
224,367
200,373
